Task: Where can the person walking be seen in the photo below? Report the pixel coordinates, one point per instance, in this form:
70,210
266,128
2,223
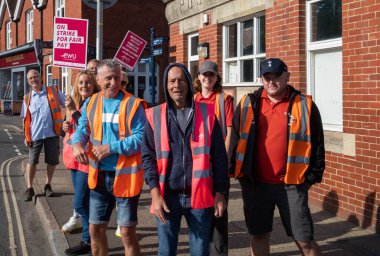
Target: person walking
277,153
84,87
185,161
41,111
112,122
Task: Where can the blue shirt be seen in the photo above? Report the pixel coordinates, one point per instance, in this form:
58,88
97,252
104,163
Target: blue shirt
110,131
41,126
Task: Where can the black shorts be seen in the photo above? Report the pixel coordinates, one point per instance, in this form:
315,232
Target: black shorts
51,148
292,201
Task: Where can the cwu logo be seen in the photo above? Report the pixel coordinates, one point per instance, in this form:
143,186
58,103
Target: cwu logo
69,56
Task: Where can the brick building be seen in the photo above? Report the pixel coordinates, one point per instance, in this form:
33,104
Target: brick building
25,24
332,48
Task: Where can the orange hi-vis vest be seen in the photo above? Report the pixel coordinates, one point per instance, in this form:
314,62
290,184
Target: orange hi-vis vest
299,138
55,109
201,182
129,176
67,153
220,112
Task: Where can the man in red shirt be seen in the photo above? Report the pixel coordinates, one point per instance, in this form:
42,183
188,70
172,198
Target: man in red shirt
277,152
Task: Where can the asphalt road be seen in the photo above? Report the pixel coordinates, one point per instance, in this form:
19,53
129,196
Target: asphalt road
20,230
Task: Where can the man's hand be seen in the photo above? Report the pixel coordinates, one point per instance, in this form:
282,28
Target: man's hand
101,151
159,205
66,126
80,154
28,144
220,205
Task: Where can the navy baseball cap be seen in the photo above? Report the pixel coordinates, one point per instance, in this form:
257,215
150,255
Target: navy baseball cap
273,65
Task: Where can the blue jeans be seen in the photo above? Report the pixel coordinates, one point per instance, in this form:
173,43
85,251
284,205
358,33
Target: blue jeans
81,200
198,221
102,203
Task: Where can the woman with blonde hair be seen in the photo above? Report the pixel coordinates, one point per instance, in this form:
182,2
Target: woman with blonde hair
208,89
84,87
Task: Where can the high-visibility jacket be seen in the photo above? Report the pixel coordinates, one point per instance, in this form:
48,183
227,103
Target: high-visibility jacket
299,137
55,109
220,111
129,175
67,153
200,143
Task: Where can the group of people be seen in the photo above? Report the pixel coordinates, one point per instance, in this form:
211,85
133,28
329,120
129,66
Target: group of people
185,149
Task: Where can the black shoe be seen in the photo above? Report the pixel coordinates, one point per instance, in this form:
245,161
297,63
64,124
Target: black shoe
28,195
48,191
81,248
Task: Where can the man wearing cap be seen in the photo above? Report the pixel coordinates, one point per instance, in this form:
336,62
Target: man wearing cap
277,153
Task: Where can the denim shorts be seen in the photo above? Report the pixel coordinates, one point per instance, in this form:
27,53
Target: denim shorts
292,202
51,149
102,203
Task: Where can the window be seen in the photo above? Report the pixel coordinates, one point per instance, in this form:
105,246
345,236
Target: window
49,81
139,82
193,42
8,36
60,8
29,26
65,77
243,50
324,60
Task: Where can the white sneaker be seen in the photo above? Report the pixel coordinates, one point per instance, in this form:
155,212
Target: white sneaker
117,232
72,224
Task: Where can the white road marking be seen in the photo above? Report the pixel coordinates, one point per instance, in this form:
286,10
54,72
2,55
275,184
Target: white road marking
12,243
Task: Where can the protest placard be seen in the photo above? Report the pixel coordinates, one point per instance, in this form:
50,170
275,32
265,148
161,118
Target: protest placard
130,50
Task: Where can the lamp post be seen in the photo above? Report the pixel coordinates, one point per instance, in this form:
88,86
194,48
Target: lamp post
36,4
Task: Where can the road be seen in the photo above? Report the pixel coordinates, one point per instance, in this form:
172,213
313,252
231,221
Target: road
21,232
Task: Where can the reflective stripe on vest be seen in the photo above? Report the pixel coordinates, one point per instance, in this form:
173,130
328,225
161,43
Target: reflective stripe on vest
299,145
55,109
204,119
246,120
220,111
129,174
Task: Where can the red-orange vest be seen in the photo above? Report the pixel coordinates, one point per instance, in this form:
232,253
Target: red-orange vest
129,175
55,109
220,111
299,142
201,182
67,153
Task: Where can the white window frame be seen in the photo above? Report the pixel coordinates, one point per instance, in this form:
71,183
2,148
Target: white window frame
239,58
314,47
49,74
60,8
29,26
8,34
191,58
65,79
136,73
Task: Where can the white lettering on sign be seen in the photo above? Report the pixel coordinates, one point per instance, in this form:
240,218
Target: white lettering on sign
65,37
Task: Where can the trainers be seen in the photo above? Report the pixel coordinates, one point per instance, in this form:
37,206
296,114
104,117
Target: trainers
48,191
29,193
81,248
72,224
117,232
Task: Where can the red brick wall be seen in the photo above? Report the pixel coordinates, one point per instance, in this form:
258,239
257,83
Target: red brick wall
286,38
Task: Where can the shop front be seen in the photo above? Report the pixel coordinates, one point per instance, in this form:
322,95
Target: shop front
14,65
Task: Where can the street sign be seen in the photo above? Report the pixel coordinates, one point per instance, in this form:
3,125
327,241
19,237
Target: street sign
157,51
106,3
145,60
158,41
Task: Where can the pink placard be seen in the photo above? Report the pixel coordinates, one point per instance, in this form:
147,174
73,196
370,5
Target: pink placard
130,50
70,42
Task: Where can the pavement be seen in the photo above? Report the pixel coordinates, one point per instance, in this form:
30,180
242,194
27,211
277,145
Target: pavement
334,235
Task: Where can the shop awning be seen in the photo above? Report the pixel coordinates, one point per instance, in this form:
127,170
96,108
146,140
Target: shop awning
20,56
